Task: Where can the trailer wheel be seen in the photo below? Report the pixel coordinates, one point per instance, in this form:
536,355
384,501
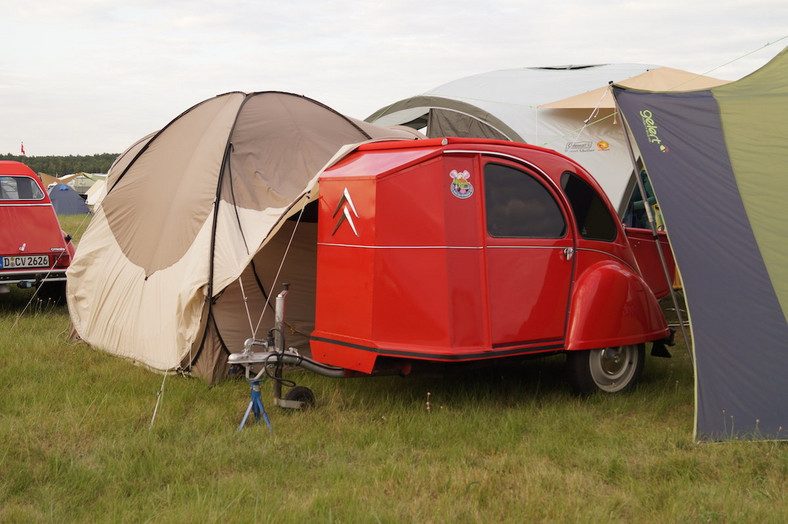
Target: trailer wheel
301,394
610,370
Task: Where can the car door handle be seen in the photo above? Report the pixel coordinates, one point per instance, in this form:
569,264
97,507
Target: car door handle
569,252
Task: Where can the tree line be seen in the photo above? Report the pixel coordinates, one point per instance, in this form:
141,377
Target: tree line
65,165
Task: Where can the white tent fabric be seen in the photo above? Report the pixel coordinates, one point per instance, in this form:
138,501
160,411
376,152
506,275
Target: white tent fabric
96,193
517,105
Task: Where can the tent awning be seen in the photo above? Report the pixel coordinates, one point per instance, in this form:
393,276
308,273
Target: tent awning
659,79
716,159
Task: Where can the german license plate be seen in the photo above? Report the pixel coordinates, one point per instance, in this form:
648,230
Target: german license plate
24,261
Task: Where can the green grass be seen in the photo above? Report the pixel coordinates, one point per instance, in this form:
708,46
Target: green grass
74,225
509,444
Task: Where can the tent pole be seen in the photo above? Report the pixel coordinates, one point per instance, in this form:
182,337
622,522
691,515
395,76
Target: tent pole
654,232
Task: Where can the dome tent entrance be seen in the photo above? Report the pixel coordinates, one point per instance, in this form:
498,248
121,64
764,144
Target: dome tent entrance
195,218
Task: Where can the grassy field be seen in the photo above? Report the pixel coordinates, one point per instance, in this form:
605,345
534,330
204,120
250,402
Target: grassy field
74,225
506,445
79,442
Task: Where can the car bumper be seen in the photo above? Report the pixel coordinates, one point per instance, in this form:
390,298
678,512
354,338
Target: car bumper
32,277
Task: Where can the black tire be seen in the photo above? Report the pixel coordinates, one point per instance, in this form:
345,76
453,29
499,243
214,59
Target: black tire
609,370
301,394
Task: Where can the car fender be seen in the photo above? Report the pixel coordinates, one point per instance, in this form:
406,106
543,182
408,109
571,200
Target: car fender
611,305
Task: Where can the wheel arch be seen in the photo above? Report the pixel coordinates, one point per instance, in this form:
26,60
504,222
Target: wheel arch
610,306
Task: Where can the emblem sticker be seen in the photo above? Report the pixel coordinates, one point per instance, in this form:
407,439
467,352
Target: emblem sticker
460,186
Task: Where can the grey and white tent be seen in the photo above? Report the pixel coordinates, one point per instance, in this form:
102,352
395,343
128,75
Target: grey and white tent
565,108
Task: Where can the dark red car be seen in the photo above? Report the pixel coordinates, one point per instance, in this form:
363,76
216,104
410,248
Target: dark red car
34,251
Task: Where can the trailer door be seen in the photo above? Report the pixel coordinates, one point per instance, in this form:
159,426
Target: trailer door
530,258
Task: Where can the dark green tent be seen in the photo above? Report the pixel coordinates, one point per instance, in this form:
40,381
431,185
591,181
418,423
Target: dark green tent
718,160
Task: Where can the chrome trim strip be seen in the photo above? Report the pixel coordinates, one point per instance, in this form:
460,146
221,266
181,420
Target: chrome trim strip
527,247
26,205
513,158
333,244
607,254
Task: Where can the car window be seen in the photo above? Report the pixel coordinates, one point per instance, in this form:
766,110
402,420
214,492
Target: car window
592,215
19,188
520,206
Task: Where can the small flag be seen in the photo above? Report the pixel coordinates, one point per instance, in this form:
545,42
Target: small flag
23,148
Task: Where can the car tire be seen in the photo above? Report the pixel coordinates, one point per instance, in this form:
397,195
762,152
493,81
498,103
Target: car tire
608,370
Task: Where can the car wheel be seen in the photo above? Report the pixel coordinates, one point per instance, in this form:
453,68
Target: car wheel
610,370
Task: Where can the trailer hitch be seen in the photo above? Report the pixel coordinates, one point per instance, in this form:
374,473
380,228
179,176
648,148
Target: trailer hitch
270,363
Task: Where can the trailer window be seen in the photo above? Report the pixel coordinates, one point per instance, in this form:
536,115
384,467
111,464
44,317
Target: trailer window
592,215
19,188
518,205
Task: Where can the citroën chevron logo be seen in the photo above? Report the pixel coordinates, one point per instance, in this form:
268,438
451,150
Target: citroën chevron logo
348,211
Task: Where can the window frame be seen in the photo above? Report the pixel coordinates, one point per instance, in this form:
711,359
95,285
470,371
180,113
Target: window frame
598,202
34,185
539,181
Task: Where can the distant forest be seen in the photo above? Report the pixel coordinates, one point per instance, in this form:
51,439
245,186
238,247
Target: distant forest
65,165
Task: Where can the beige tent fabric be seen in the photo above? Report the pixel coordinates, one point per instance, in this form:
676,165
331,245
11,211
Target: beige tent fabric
125,158
659,79
263,170
48,180
176,180
162,241
114,305
280,261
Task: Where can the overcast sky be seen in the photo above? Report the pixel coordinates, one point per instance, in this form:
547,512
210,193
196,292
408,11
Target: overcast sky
92,76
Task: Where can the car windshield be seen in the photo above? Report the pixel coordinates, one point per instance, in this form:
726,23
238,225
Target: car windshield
19,188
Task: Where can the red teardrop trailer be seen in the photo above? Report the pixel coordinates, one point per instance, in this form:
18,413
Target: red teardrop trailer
458,250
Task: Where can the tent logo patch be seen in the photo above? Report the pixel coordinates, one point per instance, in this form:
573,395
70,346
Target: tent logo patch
348,209
603,145
460,186
651,128
579,147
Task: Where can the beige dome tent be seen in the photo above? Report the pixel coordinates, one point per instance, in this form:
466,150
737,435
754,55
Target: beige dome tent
198,228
